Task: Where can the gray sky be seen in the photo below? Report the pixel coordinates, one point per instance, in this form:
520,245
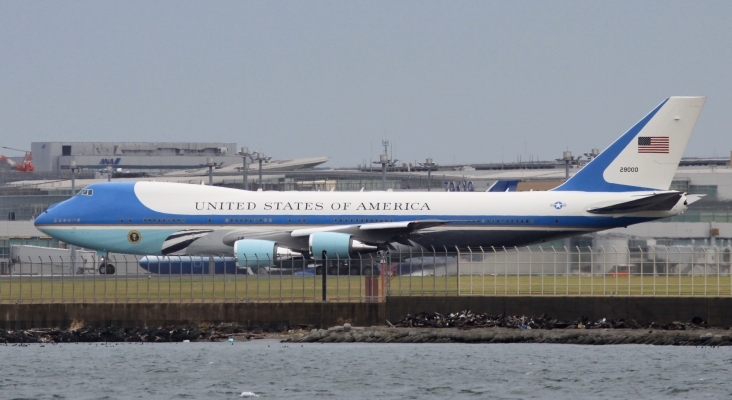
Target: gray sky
463,80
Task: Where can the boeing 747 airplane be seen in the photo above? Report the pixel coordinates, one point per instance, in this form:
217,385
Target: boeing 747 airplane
628,183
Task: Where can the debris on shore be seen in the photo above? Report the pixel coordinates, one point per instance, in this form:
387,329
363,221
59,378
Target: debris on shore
467,320
78,333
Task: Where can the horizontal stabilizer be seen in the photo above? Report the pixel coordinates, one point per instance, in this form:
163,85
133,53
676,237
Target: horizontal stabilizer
656,202
693,198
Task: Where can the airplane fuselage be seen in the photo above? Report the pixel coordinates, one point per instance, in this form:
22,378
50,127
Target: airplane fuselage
138,218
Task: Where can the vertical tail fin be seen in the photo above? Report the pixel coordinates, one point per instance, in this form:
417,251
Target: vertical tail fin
645,157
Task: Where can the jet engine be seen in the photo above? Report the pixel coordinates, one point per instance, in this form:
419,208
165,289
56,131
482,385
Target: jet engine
337,245
255,253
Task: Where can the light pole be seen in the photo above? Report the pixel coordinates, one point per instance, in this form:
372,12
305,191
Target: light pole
568,159
109,174
384,161
73,168
261,157
244,153
210,165
429,164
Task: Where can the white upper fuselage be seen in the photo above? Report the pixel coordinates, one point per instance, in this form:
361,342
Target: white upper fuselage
104,219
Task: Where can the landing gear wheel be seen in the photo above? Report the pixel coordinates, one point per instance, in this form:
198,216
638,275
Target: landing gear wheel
106,269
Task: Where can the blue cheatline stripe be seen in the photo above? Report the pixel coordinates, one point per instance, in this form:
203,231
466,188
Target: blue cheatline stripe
234,221
591,179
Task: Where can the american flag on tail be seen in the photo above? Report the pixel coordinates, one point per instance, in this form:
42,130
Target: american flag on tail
653,144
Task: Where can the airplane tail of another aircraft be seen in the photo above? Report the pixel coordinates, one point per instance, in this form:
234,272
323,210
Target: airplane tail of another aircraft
645,157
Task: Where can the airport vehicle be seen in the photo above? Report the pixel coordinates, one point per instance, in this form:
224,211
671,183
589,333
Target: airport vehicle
187,265
628,183
25,166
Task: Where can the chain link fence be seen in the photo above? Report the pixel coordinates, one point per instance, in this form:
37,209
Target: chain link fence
530,271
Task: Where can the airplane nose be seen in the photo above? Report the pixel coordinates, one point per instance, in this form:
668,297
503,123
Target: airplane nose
46,218
41,220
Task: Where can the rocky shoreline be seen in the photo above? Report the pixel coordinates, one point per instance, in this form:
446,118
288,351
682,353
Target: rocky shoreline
466,327
345,334
461,327
78,333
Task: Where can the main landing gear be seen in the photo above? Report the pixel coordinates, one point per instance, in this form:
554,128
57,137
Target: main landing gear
105,268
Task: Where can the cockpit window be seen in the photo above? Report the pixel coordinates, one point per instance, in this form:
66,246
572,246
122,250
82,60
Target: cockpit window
85,192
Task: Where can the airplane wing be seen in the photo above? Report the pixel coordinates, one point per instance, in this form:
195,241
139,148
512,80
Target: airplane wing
377,232
656,202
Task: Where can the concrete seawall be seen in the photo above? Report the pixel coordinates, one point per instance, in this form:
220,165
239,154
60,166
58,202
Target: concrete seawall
26,316
715,310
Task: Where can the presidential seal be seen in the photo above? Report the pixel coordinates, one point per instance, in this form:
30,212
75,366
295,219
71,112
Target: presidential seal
134,237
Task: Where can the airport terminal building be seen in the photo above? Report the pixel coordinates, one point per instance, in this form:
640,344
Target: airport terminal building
56,156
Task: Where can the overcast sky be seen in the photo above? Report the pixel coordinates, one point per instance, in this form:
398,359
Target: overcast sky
469,81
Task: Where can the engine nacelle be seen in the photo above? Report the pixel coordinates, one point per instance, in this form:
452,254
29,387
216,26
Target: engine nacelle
255,253
336,245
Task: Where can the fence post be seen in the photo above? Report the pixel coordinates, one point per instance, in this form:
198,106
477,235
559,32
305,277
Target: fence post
719,276
531,267
604,270
63,280
678,268
246,278
361,278
555,270
654,269
693,253
83,279
170,277
482,269
665,250
579,270
180,278
40,275
627,249
446,256
94,277
324,287
116,288
505,271
421,258
518,270
472,265
30,279
411,260
457,267
495,271
617,283
642,255
704,250
542,269
567,265
338,276
434,271
592,271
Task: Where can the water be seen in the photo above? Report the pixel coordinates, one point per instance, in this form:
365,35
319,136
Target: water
269,369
